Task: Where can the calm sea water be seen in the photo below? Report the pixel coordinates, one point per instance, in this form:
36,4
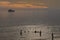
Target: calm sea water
23,16
31,20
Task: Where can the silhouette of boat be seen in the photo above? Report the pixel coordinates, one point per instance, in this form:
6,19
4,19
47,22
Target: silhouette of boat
11,10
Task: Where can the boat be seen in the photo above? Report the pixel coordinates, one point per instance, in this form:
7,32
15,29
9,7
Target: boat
11,10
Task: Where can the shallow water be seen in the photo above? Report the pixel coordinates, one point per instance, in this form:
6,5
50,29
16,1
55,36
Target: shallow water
13,33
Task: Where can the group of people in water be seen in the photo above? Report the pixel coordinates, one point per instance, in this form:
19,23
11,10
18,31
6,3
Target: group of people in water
34,32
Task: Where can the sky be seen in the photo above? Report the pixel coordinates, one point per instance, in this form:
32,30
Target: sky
24,3
54,4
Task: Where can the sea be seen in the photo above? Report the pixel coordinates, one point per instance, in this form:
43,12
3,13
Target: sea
29,24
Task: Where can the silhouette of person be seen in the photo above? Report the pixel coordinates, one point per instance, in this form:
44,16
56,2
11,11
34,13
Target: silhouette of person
40,33
21,32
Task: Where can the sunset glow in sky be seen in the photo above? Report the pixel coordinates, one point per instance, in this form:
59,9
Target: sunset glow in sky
24,4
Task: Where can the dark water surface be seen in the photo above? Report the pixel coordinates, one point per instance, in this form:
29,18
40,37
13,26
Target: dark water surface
23,16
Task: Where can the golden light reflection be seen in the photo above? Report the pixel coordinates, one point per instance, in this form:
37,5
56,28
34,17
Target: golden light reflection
20,5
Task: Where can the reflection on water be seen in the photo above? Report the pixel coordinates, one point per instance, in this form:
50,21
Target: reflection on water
27,32
24,32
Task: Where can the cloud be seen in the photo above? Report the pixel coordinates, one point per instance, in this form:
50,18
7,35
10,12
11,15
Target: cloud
22,4
4,3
